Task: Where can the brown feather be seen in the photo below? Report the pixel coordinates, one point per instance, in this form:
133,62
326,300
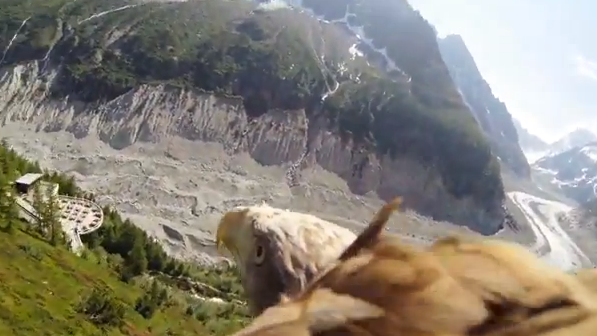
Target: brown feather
588,277
457,287
373,231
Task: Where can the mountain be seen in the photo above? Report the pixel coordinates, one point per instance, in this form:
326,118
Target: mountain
532,146
489,112
358,88
569,166
576,138
535,148
572,172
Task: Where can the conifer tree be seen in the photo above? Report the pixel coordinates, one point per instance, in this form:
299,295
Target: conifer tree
48,210
51,217
9,212
38,205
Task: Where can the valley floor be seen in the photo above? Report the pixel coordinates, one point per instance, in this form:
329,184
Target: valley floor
178,190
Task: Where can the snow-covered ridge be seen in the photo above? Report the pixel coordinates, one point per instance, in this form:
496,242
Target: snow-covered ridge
577,138
573,172
590,152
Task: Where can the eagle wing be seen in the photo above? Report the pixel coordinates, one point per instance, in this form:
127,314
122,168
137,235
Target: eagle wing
456,287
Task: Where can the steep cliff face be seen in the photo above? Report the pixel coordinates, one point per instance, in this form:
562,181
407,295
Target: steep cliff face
491,114
153,113
326,86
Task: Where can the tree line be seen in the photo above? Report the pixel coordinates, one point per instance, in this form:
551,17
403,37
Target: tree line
139,252
130,251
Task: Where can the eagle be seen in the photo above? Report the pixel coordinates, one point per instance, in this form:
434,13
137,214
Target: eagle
458,286
278,252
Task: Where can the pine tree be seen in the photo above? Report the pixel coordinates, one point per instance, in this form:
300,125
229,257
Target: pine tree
39,206
137,259
52,219
156,258
9,212
48,210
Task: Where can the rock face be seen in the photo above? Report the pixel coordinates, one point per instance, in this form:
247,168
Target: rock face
491,114
572,172
153,113
329,87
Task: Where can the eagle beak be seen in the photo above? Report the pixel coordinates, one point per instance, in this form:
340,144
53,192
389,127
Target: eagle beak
227,234
221,238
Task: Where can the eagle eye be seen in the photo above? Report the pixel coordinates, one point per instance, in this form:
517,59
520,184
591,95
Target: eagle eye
259,254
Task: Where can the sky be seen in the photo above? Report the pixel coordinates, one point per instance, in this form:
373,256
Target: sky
538,56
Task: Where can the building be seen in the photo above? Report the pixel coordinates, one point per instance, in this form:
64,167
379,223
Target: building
25,183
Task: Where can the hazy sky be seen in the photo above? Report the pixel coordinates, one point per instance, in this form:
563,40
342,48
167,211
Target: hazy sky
538,56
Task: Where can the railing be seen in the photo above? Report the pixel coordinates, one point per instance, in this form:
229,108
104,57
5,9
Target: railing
28,212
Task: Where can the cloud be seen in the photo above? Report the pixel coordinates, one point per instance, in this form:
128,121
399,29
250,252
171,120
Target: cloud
585,67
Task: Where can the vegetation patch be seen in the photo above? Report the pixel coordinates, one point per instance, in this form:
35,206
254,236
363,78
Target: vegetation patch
123,284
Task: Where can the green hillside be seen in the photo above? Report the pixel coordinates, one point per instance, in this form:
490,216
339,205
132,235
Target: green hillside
123,285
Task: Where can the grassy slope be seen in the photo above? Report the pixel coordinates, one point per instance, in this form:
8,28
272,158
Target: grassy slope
41,287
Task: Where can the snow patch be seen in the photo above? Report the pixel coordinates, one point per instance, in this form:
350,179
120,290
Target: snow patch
355,52
100,14
273,5
590,152
14,37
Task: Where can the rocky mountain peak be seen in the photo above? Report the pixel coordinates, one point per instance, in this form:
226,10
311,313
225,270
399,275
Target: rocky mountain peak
578,137
491,114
